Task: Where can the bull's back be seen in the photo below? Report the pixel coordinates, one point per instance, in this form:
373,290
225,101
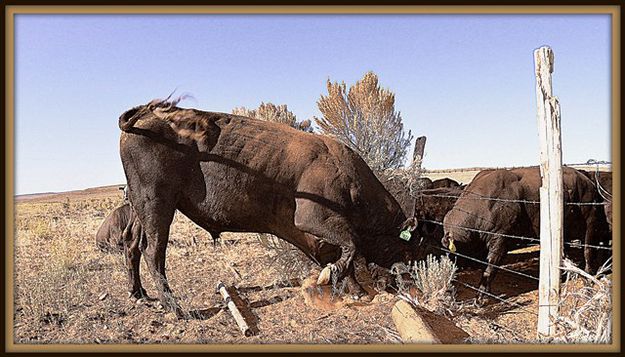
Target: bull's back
250,178
476,210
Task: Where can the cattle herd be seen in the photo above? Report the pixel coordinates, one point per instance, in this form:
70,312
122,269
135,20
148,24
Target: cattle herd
230,173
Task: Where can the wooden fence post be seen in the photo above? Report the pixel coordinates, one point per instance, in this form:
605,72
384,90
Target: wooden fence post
551,199
419,148
415,166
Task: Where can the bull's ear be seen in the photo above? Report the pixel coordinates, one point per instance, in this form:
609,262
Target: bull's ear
410,224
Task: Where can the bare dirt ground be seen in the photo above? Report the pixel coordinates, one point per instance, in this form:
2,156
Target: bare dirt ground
67,291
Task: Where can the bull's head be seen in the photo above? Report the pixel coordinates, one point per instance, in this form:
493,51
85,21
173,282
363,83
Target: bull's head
422,226
409,224
409,232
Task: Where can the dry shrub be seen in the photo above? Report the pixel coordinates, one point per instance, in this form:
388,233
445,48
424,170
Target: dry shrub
404,184
275,113
364,118
585,306
285,258
427,283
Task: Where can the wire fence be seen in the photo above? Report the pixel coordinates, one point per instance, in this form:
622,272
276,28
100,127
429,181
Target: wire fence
506,301
489,264
456,193
605,194
591,162
533,239
513,304
465,193
509,200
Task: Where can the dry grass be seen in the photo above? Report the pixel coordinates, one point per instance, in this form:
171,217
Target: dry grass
427,283
53,261
585,306
67,291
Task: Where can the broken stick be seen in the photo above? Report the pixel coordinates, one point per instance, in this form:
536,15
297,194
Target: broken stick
234,310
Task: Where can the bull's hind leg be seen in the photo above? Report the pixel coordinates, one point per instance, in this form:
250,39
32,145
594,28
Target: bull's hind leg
132,240
156,215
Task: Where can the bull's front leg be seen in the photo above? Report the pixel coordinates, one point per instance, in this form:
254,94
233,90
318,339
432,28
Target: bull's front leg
343,269
596,232
497,250
315,219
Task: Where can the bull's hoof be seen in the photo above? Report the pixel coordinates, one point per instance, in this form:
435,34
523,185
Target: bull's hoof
326,274
356,291
361,298
482,300
138,294
173,307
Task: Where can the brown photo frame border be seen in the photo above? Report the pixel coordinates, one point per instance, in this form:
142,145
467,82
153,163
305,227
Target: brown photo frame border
12,10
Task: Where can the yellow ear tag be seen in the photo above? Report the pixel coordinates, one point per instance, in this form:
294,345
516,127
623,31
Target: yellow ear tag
452,246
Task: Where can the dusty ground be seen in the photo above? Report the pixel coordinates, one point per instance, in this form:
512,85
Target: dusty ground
66,291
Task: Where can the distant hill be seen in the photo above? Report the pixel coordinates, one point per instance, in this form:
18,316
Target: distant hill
94,192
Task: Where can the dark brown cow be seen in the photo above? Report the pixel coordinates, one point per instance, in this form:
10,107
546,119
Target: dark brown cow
109,235
231,173
431,206
603,182
473,210
445,183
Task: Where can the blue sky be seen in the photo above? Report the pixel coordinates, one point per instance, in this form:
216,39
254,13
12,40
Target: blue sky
464,81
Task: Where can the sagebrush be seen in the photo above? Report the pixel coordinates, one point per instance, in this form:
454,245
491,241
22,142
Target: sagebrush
427,283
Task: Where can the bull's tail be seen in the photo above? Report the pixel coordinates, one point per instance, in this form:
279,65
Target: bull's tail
128,119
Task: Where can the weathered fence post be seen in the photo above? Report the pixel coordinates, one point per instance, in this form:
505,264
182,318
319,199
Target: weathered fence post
419,148
551,199
417,160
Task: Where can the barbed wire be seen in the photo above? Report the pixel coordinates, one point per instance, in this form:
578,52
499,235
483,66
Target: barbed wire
605,194
573,245
592,162
489,264
480,231
482,168
486,198
505,301
521,307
